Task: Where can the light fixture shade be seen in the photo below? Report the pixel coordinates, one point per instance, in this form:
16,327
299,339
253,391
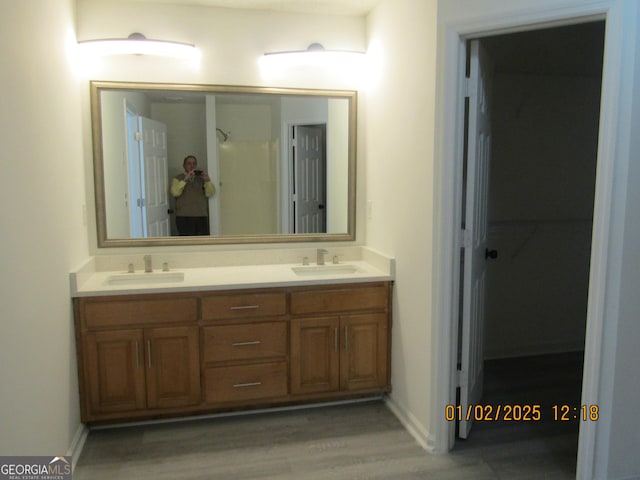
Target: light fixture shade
137,44
314,56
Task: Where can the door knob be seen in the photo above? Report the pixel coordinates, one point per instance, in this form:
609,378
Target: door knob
490,253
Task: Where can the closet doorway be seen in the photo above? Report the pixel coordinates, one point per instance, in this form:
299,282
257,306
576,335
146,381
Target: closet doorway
543,96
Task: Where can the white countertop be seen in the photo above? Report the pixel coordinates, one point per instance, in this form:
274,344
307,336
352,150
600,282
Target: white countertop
97,283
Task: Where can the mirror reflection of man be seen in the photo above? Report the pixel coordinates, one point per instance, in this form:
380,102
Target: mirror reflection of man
191,190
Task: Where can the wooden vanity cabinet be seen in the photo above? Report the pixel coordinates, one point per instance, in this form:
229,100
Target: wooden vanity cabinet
128,365
157,355
345,351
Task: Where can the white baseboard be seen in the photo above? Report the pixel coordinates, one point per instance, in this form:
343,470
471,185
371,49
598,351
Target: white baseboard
75,449
412,425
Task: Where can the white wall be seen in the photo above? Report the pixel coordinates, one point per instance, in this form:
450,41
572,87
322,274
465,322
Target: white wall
399,152
43,236
186,132
337,166
543,164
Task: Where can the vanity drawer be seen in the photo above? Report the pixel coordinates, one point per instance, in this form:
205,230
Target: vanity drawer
373,297
245,382
244,305
118,313
245,342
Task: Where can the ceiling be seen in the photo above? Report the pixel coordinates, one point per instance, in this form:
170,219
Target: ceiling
326,7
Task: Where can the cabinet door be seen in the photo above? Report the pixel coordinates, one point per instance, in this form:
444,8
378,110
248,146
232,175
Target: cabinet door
363,360
114,371
173,366
315,355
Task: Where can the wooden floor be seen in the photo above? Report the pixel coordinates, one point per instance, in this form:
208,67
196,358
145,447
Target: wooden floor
354,441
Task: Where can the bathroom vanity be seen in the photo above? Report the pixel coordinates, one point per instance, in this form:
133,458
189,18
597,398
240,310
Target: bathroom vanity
152,351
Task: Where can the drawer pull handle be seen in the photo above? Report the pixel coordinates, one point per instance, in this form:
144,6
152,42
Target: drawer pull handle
246,307
245,385
244,344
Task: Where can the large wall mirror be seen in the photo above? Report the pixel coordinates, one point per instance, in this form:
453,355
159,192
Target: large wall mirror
282,162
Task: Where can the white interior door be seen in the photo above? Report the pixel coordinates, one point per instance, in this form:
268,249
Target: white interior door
134,175
475,236
156,201
309,161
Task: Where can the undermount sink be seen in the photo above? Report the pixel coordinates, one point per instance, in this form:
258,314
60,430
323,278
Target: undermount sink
342,269
145,278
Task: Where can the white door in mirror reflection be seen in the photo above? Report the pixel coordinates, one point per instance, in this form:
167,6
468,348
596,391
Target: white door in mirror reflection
147,159
309,189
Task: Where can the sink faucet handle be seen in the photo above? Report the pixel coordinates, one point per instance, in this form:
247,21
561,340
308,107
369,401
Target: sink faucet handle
320,259
148,268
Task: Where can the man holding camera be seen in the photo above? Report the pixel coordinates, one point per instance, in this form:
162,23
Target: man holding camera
191,190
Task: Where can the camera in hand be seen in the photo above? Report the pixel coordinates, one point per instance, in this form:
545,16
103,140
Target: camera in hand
198,172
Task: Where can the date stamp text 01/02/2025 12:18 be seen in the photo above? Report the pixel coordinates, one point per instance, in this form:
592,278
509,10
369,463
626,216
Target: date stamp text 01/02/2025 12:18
521,413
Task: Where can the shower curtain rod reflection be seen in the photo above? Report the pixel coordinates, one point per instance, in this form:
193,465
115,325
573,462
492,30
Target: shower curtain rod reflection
224,134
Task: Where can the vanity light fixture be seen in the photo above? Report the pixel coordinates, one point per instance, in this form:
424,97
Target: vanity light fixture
315,56
138,44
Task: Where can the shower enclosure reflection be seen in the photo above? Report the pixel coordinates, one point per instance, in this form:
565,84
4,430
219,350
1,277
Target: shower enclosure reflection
282,161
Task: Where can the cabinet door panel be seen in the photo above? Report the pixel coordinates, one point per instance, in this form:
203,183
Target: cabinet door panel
315,355
173,366
363,362
115,371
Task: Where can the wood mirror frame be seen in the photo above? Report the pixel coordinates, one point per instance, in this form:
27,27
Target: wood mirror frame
242,94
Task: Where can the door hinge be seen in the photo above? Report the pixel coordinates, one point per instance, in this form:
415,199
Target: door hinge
138,136
467,87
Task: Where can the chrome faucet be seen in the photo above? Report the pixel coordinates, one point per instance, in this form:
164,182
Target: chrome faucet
320,259
147,264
